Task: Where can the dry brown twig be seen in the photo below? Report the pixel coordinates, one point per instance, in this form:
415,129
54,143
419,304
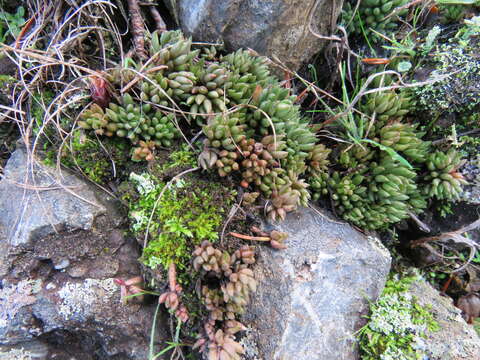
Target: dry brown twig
137,29
456,237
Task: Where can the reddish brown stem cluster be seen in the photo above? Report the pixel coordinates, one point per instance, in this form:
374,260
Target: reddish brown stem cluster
172,298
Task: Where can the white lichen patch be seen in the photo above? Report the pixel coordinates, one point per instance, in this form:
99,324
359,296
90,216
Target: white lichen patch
249,345
15,296
144,182
15,354
394,315
83,299
398,325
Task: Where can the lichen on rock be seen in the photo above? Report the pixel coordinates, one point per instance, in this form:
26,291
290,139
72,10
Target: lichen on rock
81,299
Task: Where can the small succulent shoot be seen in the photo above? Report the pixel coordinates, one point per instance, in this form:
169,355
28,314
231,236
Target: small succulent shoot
207,158
130,288
209,259
249,198
172,298
281,203
224,347
145,151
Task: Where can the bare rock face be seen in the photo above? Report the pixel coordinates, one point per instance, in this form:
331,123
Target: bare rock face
270,27
60,249
456,340
311,296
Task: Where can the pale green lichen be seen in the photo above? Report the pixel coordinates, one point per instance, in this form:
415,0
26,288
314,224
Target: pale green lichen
83,297
15,296
144,183
397,325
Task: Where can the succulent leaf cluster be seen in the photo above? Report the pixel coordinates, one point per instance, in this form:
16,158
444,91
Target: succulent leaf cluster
373,14
389,176
224,300
443,180
386,105
254,132
139,123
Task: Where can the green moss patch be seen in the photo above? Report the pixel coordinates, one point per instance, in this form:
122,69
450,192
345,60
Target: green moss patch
178,216
397,324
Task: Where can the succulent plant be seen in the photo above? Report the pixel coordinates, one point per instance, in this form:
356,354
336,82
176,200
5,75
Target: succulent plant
282,201
319,185
245,255
207,258
172,298
155,89
451,13
94,119
173,50
242,62
375,194
373,14
227,162
144,151
317,160
224,131
356,155
133,121
405,139
224,347
224,300
239,286
386,105
207,96
443,180
259,158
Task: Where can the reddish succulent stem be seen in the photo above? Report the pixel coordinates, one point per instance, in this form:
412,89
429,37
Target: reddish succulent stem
172,277
376,61
246,237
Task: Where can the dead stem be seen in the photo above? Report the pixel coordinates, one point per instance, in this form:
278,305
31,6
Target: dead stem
137,30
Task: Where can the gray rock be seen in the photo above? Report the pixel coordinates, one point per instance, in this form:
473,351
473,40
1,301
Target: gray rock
270,27
456,340
311,296
61,248
37,203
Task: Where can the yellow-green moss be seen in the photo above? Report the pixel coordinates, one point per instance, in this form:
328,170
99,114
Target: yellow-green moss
188,212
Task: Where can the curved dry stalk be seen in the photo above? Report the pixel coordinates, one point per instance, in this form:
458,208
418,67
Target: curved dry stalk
455,236
60,29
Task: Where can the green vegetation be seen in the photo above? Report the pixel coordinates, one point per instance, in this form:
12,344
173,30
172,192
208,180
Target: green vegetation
187,213
397,324
40,102
93,159
372,15
456,68
11,24
240,143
